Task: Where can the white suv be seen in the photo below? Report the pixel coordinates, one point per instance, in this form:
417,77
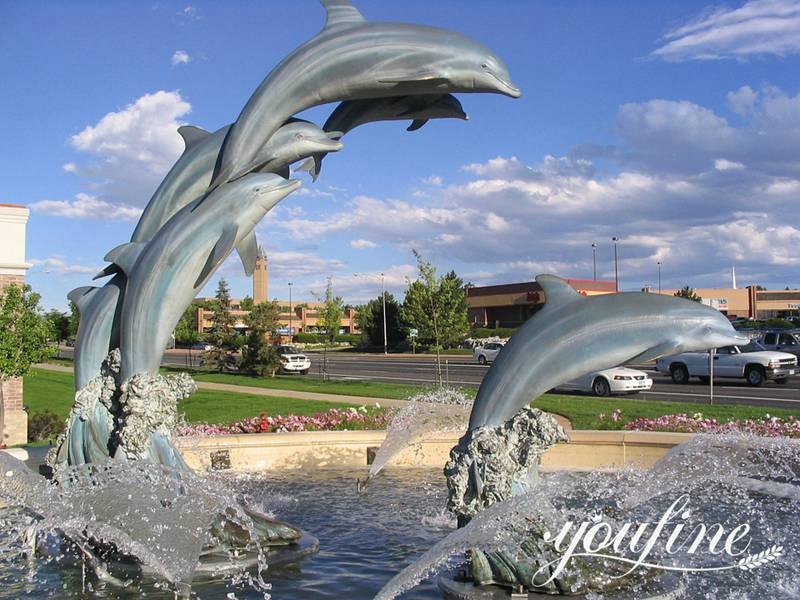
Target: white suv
487,353
293,361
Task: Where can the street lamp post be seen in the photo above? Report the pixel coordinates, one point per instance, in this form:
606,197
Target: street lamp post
290,312
383,299
615,239
659,277
594,262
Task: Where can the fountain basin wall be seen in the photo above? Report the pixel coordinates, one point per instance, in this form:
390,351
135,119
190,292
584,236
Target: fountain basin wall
346,449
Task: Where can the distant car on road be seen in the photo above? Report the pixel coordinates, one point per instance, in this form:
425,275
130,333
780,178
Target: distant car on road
750,362
202,346
619,380
782,341
293,361
488,352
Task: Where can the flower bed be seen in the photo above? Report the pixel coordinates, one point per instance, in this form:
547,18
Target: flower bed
330,420
683,423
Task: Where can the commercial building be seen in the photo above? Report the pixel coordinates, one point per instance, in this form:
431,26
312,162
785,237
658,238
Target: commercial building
296,317
511,304
749,302
13,224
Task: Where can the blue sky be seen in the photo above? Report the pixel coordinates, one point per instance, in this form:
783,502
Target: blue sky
673,125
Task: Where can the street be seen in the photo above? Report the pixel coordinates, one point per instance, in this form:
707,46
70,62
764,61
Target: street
464,371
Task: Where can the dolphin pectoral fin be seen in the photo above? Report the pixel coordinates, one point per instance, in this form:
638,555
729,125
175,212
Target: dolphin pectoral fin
341,13
311,165
219,252
427,76
111,269
192,135
82,295
663,349
416,124
126,255
248,249
283,171
557,291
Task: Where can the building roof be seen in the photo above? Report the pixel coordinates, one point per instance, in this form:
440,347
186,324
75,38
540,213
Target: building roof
581,285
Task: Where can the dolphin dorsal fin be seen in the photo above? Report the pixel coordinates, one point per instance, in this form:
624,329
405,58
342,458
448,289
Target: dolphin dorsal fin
557,291
125,255
341,13
192,135
81,296
416,124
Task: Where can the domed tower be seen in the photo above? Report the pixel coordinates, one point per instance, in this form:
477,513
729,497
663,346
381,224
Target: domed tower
261,277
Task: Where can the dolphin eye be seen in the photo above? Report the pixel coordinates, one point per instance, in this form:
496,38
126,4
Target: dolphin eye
484,66
298,136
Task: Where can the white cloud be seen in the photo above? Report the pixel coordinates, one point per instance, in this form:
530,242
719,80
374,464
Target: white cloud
189,13
758,27
86,207
57,264
180,57
434,180
131,149
362,244
743,100
721,164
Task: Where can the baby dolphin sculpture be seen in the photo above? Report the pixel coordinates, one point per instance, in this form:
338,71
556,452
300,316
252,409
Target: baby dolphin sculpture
352,59
166,274
190,175
354,113
574,335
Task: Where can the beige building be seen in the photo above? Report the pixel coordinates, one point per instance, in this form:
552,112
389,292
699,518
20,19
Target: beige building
296,317
749,302
13,223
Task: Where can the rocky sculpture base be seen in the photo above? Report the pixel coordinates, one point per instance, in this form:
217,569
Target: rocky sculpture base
490,464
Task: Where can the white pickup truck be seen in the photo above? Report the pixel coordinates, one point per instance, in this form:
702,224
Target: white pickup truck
750,362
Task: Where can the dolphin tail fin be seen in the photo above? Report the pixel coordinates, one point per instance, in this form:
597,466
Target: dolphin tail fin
416,124
248,252
82,295
192,135
341,13
219,253
311,166
126,255
557,291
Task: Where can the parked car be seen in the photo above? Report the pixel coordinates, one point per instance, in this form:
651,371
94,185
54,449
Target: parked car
755,367
487,353
293,361
782,341
202,346
619,380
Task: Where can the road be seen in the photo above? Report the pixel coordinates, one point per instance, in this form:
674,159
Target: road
464,371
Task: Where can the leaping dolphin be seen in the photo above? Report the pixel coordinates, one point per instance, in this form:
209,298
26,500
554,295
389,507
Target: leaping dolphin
352,59
166,274
574,335
354,113
191,174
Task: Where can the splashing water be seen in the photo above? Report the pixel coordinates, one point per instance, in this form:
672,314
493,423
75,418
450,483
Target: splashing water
444,410
142,517
729,480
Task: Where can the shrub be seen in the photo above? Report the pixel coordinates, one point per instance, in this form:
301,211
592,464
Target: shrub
485,332
44,426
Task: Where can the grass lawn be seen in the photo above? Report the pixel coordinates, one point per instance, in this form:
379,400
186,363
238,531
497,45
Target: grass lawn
582,411
53,391
307,384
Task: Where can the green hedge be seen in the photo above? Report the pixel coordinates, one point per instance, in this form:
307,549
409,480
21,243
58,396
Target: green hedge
485,332
319,338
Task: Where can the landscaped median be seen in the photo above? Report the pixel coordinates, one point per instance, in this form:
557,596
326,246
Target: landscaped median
269,428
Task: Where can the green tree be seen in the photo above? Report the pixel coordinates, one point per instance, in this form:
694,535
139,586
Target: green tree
60,323
24,337
222,336
246,303
330,320
74,319
437,308
186,329
370,320
259,355
688,293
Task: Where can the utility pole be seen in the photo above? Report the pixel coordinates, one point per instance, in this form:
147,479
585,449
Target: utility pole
291,313
594,262
615,239
383,298
659,277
